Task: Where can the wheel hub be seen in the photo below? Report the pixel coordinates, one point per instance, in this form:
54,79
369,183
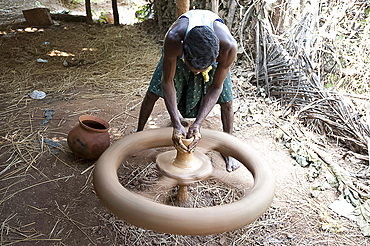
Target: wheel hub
186,168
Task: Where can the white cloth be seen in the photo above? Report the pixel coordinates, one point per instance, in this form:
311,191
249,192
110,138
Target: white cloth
200,17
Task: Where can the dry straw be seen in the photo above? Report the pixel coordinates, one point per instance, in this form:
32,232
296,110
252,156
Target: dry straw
318,67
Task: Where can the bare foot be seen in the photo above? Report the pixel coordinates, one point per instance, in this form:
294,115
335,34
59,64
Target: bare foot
231,163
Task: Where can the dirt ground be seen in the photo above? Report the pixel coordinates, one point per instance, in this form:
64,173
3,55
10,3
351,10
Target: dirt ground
11,10
47,194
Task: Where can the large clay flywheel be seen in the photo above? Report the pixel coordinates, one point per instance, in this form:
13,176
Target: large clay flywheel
142,212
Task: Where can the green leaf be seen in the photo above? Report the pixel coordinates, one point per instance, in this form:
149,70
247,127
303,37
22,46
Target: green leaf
362,213
301,161
315,191
332,180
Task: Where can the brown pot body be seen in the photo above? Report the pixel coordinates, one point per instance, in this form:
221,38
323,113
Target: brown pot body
90,138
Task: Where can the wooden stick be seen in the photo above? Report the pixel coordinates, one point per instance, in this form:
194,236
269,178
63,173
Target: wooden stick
182,193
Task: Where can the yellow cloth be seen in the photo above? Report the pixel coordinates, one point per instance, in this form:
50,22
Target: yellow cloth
205,74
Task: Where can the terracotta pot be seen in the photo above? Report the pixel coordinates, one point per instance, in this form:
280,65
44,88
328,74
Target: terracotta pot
90,138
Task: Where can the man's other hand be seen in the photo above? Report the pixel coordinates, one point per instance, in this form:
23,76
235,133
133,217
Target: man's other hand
177,135
193,132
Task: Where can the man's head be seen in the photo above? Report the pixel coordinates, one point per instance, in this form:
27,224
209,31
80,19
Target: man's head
201,47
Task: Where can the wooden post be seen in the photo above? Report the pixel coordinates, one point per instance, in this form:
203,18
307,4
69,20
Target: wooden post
182,193
115,12
89,19
215,6
182,6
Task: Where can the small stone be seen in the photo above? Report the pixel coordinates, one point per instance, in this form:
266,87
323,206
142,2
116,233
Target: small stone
222,240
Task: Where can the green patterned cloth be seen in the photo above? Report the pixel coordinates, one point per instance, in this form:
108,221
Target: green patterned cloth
190,88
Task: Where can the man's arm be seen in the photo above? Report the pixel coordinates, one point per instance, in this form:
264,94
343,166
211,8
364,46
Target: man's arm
173,49
168,87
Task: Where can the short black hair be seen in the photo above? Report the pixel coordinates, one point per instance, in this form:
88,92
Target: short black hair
201,46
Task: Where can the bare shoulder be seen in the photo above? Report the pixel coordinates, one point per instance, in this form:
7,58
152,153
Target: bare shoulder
224,35
175,36
228,45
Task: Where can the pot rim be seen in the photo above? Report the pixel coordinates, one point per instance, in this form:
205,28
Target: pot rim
96,119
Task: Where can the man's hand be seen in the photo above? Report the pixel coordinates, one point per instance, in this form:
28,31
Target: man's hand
194,132
177,135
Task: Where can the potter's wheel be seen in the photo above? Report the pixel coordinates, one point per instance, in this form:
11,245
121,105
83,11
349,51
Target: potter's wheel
186,168
148,214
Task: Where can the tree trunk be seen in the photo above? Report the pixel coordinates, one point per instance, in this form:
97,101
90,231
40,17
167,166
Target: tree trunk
89,19
230,15
182,6
215,6
115,12
158,11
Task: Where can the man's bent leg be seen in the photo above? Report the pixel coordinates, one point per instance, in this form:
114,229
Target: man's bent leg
227,118
146,109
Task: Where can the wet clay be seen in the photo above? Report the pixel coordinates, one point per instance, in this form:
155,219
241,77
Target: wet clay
142,212
185,167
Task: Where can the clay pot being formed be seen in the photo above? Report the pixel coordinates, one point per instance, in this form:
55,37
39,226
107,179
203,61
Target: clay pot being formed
90,138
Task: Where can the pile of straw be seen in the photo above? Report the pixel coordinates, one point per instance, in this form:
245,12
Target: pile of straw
318,67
